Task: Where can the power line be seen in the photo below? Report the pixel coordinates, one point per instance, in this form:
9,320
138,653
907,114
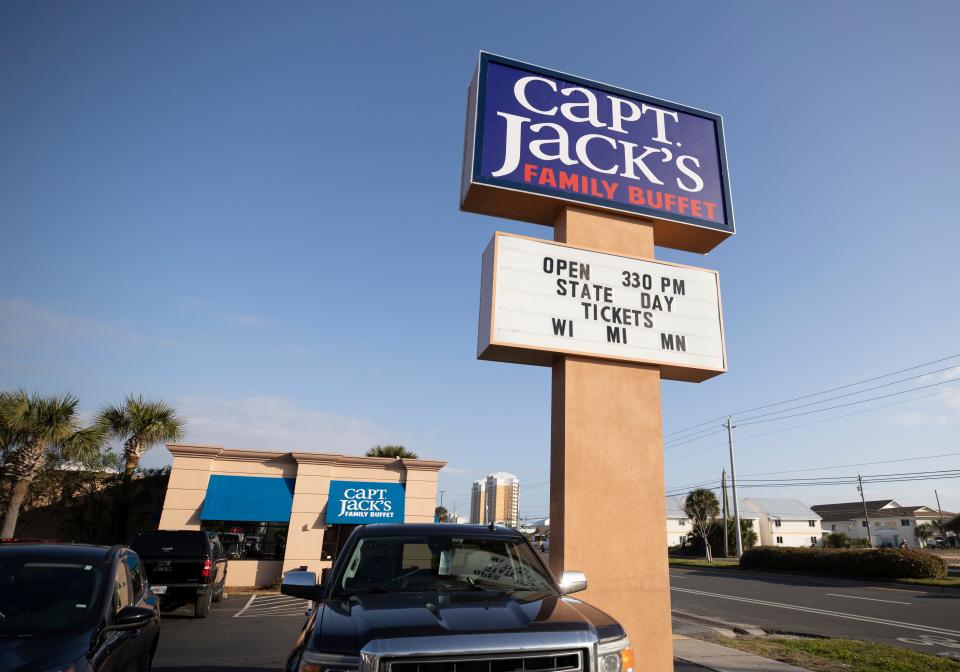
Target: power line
816,394
862,464
851,394
903,477
817,422
851,403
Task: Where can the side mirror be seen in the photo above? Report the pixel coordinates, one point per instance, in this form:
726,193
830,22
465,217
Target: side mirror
301,584
572,582
131,618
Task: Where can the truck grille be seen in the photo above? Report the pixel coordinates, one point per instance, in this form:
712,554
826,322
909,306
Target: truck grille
557,661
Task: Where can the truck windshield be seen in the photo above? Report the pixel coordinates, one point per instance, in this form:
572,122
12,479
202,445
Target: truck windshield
442,563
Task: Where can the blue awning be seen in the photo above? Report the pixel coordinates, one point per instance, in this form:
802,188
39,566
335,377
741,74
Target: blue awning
248,498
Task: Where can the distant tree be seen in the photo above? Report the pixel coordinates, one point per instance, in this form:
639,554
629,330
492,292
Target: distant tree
924,533
953,525
702,508
837,540
141,425
33,428
391,451
747,535
441,515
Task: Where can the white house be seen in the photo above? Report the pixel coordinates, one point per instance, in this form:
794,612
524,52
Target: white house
678,525
890,522
782,522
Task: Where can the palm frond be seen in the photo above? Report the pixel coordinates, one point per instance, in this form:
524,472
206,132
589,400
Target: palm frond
85,444
391,451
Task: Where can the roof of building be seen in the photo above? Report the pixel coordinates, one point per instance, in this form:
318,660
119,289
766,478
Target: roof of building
878,508
784,509
675,507
503,477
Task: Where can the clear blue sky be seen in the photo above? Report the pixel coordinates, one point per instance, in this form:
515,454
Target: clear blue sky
250,210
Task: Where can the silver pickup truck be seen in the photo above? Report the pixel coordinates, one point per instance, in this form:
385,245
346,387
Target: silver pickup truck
449,598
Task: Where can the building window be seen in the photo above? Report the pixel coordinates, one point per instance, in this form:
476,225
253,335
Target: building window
683,523
813,523
334,537
905,522
776,523
779,540
813,541
245,540
833,528
863,523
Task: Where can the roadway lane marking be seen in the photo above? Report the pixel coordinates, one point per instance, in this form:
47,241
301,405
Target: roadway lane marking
825,612
871,599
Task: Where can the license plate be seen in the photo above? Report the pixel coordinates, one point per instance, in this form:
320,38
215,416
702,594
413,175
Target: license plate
158,590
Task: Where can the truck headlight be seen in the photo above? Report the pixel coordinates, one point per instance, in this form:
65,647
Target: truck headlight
312,661
615,656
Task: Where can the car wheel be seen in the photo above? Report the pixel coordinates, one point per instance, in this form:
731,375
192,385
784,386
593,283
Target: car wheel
202,607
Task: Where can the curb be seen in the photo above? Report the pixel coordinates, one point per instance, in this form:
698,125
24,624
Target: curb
737,628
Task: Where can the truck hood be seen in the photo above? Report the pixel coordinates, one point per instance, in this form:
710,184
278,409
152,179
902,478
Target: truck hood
345,625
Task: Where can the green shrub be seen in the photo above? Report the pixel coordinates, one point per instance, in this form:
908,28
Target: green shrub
887,563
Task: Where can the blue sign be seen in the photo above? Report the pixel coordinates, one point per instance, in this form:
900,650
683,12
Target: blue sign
549,137
362,503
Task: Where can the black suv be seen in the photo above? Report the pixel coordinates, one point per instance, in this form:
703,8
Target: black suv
450,597
184,567
75,607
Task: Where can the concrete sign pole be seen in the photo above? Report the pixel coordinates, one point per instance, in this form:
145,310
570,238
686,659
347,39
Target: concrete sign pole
607,507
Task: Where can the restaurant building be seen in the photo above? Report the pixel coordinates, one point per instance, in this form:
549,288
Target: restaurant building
279,511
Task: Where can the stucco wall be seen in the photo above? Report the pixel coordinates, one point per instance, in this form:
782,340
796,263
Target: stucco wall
193,466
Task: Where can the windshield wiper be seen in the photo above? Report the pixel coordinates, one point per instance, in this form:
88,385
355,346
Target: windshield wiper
489,584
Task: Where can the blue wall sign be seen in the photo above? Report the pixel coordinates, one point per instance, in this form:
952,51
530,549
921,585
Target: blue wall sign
549,137
360,503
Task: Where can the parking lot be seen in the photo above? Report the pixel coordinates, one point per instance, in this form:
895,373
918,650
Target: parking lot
247,632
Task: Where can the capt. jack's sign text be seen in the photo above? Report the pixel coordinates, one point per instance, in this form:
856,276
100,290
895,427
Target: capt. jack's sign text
553,135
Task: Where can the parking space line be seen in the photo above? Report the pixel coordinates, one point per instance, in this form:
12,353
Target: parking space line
246,606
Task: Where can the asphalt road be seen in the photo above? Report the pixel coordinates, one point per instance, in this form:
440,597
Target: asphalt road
917,618
239,634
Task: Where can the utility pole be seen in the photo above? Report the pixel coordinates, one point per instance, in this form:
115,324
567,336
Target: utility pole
723,488
866,516
942,531
733,483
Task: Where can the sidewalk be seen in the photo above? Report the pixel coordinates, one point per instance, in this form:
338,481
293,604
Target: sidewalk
694,655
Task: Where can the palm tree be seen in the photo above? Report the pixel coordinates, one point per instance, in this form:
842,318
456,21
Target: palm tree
391,451
141,425
702,507
924,532
441,515
31,427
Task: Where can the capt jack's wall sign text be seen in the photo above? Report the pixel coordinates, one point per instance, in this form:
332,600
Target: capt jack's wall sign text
358,503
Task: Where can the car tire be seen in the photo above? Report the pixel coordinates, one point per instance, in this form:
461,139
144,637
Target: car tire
202,607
